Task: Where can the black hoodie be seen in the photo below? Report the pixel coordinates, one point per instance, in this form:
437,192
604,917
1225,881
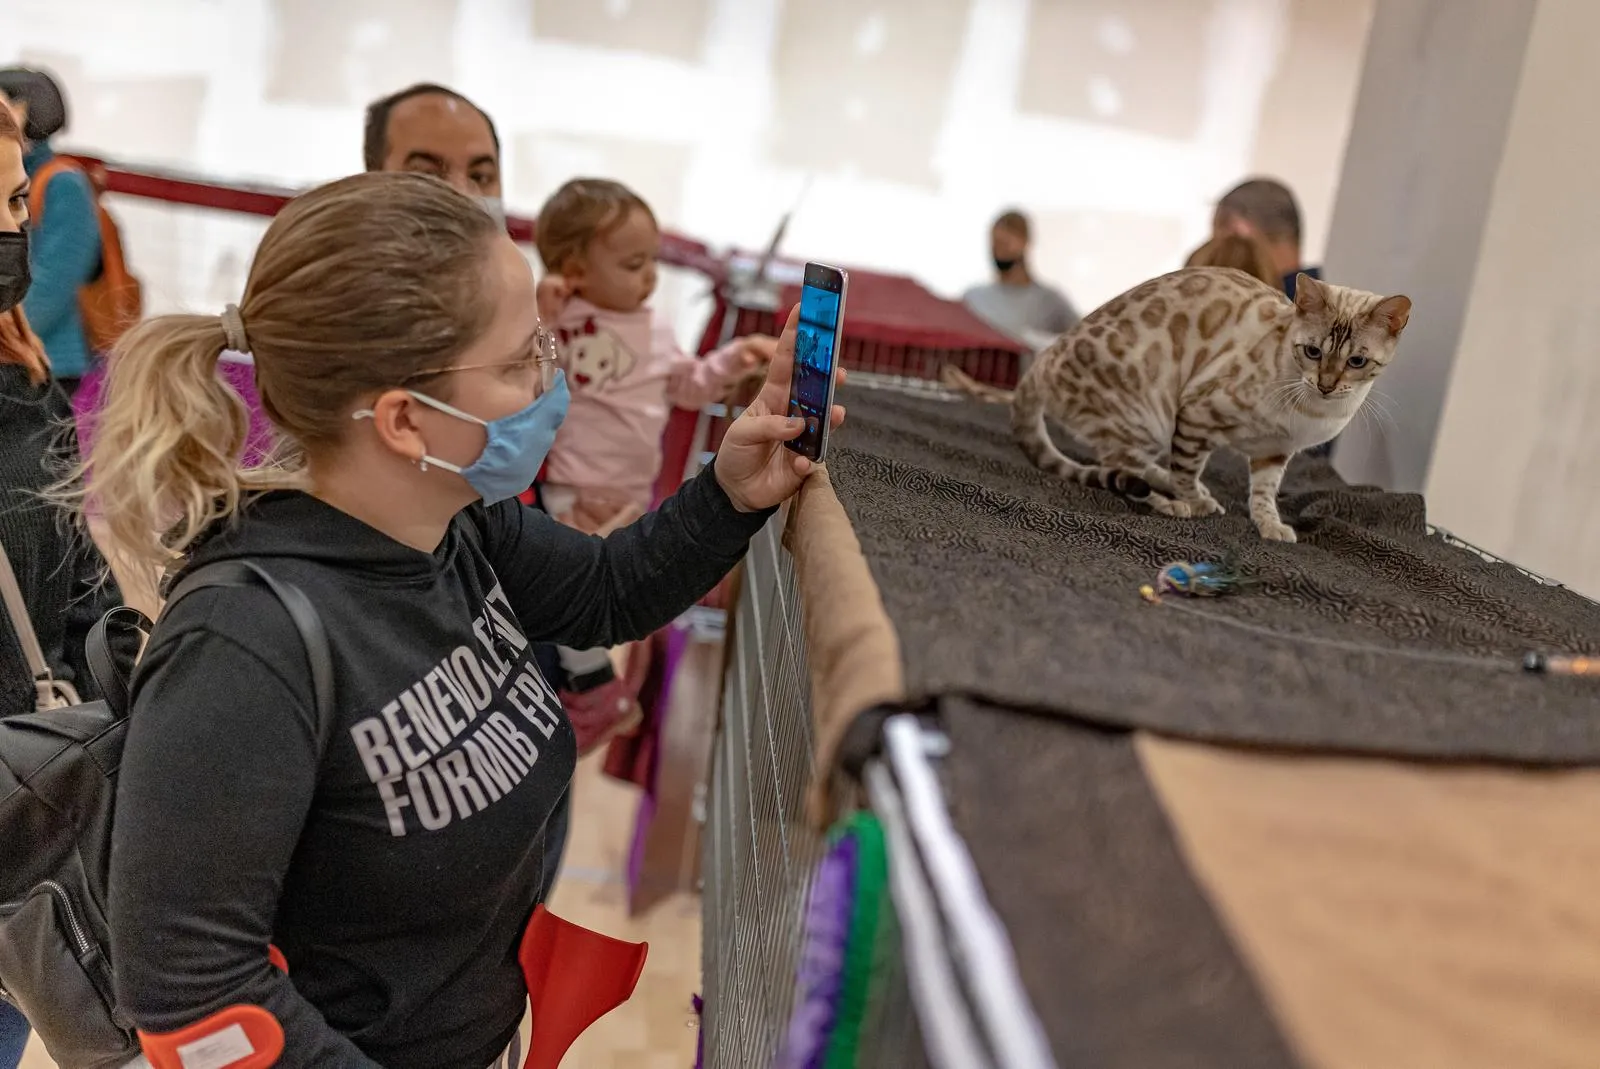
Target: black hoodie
393,855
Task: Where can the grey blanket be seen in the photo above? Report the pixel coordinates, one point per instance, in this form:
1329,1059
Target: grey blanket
1016,588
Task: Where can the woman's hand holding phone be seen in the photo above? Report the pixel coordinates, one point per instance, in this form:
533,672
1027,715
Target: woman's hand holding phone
753,467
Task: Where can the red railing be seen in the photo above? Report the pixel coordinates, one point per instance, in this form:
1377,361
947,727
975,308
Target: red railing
173,187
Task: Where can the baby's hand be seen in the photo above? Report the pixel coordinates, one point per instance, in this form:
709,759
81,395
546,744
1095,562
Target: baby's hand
553,294
756,350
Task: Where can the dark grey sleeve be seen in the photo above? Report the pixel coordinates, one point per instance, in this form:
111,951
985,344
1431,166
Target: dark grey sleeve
1063,317
583,591
217,776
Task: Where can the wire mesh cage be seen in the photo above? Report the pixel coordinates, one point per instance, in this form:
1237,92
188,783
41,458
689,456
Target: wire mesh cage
760,851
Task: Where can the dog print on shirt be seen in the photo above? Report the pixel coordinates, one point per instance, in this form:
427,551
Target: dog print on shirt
594,356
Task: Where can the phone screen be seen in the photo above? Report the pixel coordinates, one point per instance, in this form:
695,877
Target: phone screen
816,348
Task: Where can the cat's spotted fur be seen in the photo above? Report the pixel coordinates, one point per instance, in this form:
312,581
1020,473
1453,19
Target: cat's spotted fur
1157,379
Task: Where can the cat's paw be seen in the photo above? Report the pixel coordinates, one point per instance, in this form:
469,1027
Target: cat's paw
1276,531
1206,506
1168,507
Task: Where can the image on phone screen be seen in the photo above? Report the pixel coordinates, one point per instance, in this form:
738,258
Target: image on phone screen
815,350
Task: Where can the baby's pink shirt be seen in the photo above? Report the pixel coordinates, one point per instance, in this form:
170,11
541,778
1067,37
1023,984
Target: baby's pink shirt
626,373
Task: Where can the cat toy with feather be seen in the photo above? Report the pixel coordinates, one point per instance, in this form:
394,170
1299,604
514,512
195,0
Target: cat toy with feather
1202,580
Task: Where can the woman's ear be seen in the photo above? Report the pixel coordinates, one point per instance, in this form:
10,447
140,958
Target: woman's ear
394,422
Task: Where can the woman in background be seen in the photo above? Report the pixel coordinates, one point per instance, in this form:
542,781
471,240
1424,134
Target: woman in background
65,252
57,570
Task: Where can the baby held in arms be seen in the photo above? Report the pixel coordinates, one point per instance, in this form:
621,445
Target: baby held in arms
599,241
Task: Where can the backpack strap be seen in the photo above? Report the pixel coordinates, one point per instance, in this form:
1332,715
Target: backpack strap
110,658
16,609
41,181
294,601
21,624
117,684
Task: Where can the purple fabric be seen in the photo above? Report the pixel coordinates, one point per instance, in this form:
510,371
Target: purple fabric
677,642
821,973
242,377
700,1043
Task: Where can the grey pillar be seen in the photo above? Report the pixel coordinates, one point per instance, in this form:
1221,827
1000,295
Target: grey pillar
1426,141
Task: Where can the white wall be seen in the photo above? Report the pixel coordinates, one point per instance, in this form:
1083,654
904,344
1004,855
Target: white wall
1517,463
1116,122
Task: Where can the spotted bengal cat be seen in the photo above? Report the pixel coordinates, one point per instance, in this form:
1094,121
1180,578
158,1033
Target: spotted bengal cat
1157,379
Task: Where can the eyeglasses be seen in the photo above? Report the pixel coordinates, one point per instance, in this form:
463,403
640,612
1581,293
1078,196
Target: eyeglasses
542,359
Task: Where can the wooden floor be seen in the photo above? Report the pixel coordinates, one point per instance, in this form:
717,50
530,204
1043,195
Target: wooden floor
656,1028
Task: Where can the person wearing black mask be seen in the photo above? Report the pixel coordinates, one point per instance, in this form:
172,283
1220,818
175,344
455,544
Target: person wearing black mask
1016,304
58,570
66,235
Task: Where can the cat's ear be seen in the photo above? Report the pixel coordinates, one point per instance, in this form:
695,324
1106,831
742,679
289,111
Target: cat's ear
1394,313
1309,295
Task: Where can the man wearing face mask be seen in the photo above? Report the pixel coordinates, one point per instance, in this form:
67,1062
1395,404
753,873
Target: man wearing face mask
428,129
1016,304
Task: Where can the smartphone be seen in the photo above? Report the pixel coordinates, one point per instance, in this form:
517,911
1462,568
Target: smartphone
816,351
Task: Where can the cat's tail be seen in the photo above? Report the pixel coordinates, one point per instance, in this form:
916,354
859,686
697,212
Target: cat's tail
959,381
1029,430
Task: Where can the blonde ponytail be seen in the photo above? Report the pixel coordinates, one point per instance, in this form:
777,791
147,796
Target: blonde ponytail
165,463
357,287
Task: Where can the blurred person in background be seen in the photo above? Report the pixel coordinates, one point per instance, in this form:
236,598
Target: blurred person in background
57,570
1246,254
1265,209
428,129
65,242
1015,303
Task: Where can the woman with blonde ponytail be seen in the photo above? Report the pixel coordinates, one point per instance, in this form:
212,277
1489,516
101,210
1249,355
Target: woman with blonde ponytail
391,849
166,459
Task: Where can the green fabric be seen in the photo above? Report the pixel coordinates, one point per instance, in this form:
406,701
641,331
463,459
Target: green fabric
866,916
887,973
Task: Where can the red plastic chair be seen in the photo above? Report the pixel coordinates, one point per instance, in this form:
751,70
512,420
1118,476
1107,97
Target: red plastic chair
575,977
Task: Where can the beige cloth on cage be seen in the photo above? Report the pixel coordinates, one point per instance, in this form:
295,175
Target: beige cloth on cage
852,649
1405,914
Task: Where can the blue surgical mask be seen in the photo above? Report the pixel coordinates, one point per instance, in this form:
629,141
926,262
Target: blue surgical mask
516,446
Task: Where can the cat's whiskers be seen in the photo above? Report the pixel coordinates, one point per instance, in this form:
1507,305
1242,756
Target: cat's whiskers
1380,410
1284,395
1385,402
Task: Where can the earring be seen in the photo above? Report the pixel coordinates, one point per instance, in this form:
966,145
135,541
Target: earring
422,465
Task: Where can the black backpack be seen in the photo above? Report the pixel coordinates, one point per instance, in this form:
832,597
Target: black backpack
58,780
